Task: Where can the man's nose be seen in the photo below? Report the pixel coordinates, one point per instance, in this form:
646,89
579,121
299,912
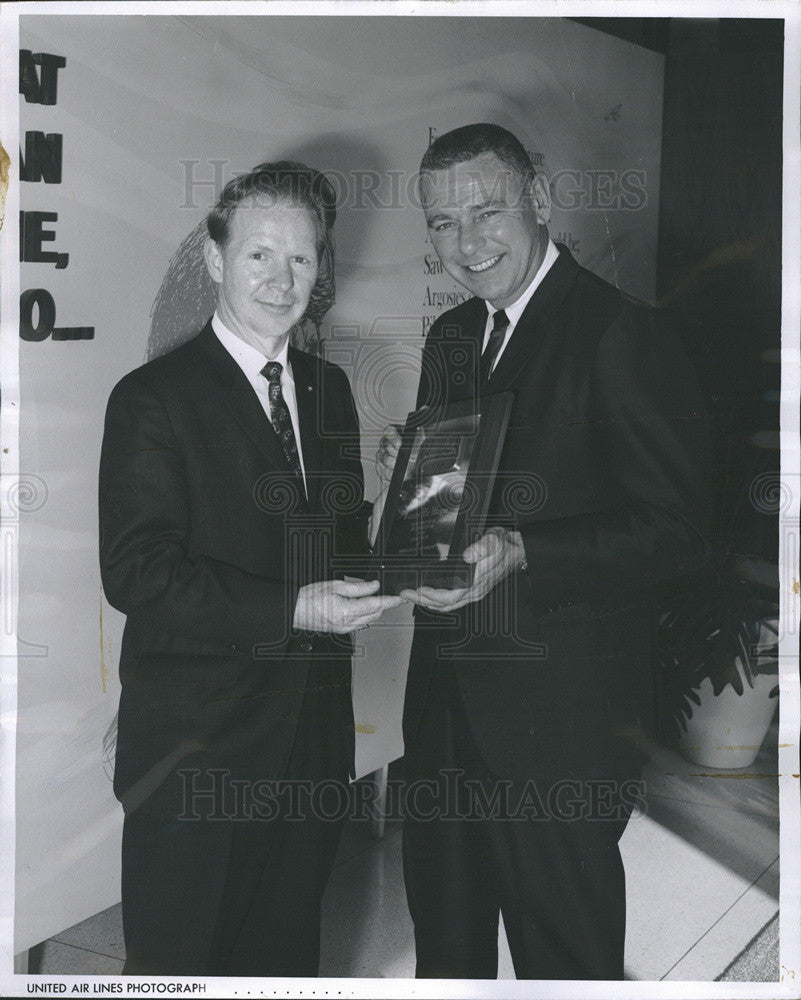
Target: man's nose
470,239
281,276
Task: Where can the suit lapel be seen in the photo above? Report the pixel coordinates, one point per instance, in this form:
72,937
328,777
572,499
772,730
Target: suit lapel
307,393
236,394
527,334
451,360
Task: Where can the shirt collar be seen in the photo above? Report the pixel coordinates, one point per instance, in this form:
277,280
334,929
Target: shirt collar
250,360
515,310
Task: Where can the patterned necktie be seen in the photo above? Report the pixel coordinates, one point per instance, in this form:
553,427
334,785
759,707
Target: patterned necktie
279,415
500,324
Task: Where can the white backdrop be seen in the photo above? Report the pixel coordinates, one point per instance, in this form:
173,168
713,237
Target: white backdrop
151,107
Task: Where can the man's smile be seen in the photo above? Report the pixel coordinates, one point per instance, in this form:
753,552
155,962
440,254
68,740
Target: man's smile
485,265
278,306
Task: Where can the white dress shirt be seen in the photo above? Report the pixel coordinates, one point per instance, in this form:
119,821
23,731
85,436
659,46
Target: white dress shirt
251,362
515,310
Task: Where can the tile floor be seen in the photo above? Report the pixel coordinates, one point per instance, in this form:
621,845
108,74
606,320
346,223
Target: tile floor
702,880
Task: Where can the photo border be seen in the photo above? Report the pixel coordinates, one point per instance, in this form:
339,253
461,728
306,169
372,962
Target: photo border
790,886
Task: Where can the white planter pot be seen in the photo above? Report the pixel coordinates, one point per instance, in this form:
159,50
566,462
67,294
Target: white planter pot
727,730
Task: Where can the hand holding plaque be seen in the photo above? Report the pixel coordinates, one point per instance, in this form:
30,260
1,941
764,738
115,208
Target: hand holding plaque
443,469
495,555
387,454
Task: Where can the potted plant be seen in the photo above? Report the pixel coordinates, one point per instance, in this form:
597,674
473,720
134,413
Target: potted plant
718,650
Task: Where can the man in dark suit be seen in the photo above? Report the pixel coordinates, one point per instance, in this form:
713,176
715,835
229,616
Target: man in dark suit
524,691
230,475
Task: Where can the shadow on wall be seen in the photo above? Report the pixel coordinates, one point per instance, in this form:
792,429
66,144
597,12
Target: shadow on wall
185,300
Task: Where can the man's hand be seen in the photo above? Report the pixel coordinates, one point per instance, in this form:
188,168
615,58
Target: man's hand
340,606
496,554
387,454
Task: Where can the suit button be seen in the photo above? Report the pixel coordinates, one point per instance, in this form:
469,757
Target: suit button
306,646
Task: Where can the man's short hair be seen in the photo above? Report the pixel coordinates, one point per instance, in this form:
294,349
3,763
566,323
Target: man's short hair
286,181
466,143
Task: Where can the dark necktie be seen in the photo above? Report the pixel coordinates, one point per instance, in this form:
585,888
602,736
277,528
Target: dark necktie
500,324
279,415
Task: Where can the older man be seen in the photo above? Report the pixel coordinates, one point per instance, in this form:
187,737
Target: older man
230,475
523,690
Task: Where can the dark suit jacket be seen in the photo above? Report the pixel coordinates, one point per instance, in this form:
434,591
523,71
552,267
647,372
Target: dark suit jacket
602,472
205,539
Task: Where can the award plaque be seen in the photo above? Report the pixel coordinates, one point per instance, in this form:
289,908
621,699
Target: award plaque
437,499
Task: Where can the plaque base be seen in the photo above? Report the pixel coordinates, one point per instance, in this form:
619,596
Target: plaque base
396,573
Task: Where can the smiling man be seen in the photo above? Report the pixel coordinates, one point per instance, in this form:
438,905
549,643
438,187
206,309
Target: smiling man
229,476
524,692
487,223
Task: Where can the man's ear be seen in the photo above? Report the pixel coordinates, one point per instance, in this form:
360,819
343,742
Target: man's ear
214,260
540,192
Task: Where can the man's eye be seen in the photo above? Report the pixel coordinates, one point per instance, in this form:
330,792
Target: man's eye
488,213
439,227
257,255
302,260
